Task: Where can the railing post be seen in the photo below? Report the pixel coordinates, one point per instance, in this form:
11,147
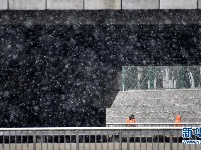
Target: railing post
34,140
120,139
77,140
171,146
151,76
181,77
123,78
128,139
3,142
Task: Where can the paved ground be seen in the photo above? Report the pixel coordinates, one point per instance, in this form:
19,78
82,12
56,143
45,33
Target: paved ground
99,146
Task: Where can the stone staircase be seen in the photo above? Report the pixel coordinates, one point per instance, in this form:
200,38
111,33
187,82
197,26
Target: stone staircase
156,106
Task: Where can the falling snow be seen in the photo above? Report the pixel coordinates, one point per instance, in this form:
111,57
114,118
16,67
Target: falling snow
68,74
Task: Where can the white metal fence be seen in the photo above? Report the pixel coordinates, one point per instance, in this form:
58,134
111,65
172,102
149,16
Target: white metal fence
95,138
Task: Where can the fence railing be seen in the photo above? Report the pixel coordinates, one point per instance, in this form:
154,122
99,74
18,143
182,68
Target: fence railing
160,77
95,138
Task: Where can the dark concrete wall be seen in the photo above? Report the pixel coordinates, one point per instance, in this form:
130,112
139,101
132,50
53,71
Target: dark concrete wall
66,75
53,76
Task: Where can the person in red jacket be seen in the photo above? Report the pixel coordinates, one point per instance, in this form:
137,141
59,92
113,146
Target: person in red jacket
178,121
131,119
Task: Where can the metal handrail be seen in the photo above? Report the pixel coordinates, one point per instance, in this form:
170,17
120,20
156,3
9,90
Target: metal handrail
88,128
81,130
102,128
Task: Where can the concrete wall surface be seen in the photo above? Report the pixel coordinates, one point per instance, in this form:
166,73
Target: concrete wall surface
140,4
27,4
102,4
65,4
156,106
3,4
178,4
98,4
199,4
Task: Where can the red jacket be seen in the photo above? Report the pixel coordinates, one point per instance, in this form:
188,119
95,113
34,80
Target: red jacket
178,121
128,121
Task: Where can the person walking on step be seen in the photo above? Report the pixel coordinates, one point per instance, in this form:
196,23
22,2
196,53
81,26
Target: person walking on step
130,120
177,121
